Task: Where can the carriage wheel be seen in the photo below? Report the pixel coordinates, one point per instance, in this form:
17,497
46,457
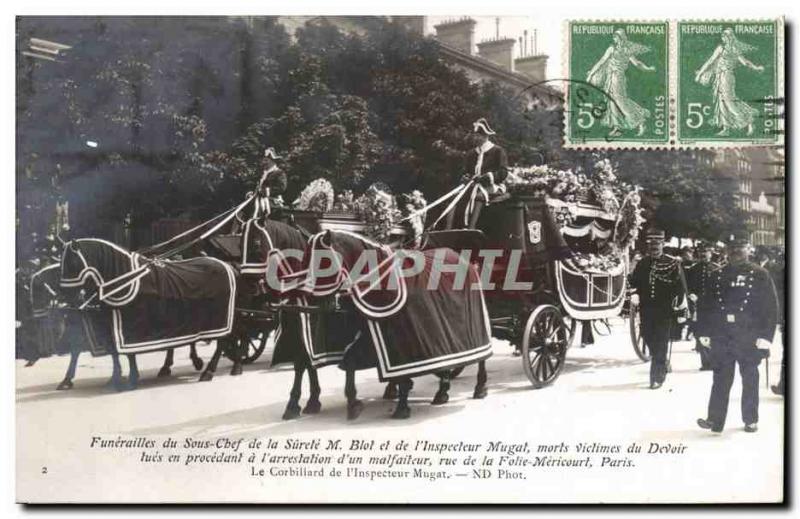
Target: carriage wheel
544,345
251,344
601,327
572,326
641,349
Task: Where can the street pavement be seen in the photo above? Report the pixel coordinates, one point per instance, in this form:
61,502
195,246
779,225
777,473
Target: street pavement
602,396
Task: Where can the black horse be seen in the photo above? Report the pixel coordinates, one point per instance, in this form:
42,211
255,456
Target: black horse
404,325
265,244
128,288
74,332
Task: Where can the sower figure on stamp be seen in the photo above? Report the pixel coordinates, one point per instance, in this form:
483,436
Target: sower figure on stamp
488,165
698,279
608,74
739,317
657,283
730,112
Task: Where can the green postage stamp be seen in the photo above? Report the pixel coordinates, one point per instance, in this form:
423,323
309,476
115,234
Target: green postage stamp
618,86
673,84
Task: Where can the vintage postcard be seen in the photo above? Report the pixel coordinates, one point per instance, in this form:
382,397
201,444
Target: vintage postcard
400,259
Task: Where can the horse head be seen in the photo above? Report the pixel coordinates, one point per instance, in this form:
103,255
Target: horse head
271,248
94,264
365,270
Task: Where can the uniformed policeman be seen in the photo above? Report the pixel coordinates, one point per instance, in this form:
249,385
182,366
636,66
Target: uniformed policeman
272,184
776,268
487,164
739,313
698,279
659,290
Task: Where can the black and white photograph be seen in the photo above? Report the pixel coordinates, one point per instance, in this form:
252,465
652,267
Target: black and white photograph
354,259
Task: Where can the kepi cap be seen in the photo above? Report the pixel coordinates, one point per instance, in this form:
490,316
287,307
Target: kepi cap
655,235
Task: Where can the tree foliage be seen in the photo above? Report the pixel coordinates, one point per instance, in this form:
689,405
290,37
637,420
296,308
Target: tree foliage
181,110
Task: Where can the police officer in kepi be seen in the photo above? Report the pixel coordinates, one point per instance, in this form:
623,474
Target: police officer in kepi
698,279
740,314
659,290
487,165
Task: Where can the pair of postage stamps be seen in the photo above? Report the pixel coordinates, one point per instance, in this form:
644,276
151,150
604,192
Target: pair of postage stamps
674,84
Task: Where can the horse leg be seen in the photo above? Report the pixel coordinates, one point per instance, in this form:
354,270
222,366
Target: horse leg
313,405
402,411
133,372
165,370
442,396
480,386
354,405
390,393
236,353
116,373
293,406
197,362
211,367
74,353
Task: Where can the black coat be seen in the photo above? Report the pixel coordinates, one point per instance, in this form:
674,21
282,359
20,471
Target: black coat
698,277
276,181
742,303
657,291
494,161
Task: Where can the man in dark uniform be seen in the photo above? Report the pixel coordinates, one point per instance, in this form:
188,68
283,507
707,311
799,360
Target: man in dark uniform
272,184
657,283
776,267
740,313
698,279
487,165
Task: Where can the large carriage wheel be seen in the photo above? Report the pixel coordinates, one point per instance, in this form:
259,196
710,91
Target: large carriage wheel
601,327
251,344
544,345
572,326
641,349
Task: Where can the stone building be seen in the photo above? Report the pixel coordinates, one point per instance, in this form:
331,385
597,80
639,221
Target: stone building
497,59
757,180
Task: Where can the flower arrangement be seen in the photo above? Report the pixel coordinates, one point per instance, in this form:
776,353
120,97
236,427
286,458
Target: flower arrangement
345,202
378,209
409,203
545,181
601,188
610,263
629,221
317,196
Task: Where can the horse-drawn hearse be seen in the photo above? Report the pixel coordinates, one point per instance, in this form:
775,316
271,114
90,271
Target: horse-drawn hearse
560,246
562,262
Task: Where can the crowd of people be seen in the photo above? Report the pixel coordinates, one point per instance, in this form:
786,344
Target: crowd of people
727,301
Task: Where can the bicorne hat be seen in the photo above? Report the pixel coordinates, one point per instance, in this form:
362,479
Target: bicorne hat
270,153
482,126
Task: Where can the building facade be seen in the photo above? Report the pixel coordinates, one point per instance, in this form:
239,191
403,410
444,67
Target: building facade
757,179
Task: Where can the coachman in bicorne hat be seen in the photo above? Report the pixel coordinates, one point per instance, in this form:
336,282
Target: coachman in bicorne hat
272,184
739,315
659,291
487,165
